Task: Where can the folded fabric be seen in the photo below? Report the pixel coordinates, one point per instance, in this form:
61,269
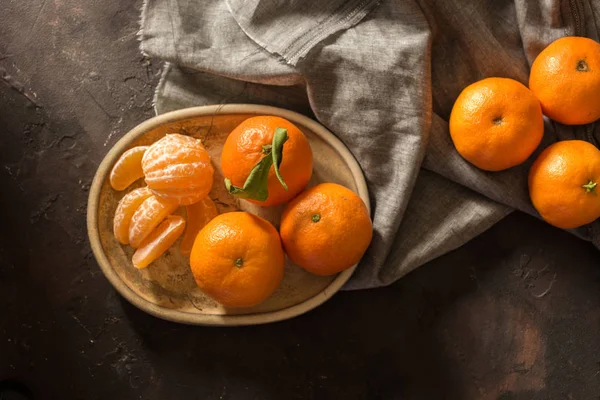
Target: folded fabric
383,76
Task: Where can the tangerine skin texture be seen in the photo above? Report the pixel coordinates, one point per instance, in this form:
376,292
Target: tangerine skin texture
496,123
238,236
178,169
556,179
565,77
340,237
243,149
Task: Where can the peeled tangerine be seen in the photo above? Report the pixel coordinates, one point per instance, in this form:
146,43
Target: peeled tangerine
158,241
178,169
128,168
147,217
198,215
125,210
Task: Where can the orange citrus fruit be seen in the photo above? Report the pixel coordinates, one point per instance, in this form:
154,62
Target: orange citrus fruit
178,169
565,77
147,217
563,184
198,215
125,210
326,229
159,241
249,142
237,259
496,123
128,168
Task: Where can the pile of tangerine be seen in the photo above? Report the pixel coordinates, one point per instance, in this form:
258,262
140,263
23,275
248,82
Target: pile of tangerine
238,258
497,123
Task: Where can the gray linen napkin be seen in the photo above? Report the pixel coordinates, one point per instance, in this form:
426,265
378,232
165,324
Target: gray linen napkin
382,75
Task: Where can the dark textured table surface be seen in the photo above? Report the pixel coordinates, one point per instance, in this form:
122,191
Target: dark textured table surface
514,314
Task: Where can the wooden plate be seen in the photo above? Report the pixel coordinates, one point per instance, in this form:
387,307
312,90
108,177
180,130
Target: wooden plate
166,288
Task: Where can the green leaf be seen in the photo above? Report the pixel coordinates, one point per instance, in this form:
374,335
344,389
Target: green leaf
279,138
256,185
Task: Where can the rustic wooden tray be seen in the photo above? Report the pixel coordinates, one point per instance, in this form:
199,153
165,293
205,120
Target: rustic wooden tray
166,288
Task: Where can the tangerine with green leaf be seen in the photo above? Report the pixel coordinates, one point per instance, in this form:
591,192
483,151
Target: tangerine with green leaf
266,160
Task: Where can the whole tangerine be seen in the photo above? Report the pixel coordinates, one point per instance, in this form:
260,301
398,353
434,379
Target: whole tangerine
563,184
251,141
565,77
496,123
237,259
326,229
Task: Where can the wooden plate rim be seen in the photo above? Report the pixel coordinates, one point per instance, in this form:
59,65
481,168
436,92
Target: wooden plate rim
212,319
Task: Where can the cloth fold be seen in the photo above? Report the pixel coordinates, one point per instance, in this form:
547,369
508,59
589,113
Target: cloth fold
383,76
291,29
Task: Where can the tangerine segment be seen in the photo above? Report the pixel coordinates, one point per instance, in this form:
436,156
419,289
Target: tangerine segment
181,197
178,169
125,210
159,241
198,215
171,149
180,176
147,217
128,168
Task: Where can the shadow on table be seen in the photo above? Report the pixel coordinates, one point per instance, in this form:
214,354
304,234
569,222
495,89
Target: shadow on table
364,344
512,315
